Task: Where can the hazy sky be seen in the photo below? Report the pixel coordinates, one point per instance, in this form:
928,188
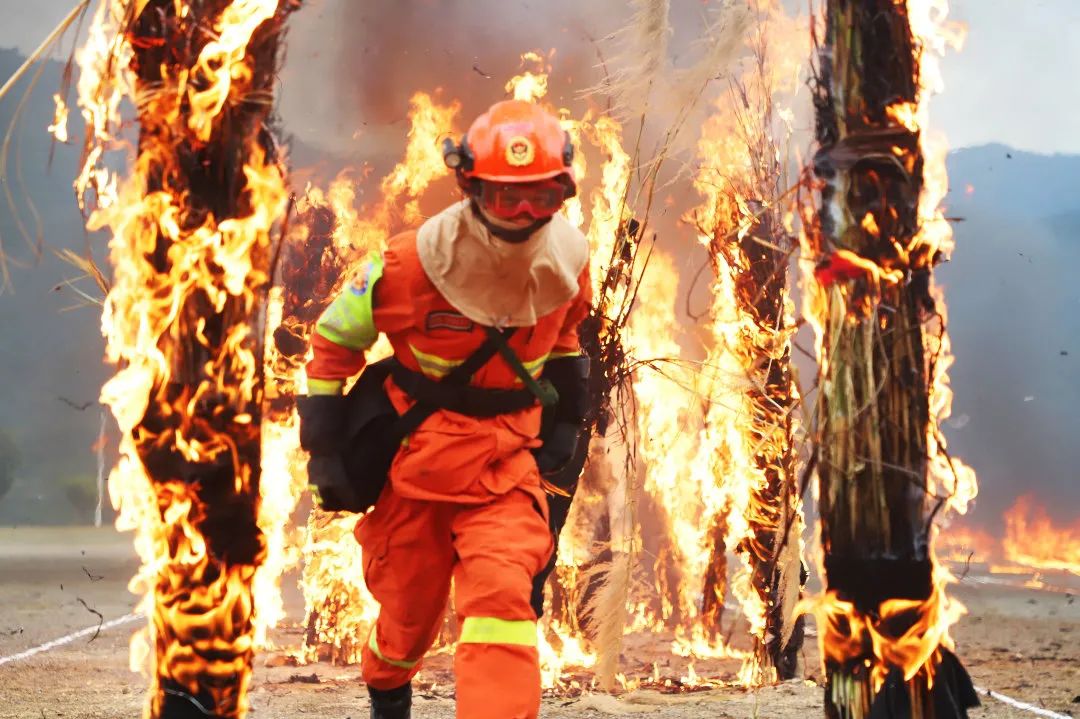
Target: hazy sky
1016,82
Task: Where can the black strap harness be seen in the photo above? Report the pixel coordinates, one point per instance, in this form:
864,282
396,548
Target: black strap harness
463,399
454,393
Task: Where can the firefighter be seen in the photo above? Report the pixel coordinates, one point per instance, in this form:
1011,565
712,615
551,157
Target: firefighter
465,498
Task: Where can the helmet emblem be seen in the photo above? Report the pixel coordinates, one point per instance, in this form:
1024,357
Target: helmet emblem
520,151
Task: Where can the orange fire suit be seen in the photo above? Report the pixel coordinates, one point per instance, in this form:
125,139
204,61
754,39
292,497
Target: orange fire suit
464,499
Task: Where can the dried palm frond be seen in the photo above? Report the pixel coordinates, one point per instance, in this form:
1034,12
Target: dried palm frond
644,78
87,265
641,57
606,614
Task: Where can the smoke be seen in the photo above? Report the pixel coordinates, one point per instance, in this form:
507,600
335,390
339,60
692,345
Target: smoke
353,66
1013,318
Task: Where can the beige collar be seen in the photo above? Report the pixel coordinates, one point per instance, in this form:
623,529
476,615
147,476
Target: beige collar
497,283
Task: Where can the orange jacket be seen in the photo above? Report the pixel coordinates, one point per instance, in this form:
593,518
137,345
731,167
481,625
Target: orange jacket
451,457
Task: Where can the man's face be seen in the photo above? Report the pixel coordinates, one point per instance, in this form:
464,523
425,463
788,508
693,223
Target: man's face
516,205
517,223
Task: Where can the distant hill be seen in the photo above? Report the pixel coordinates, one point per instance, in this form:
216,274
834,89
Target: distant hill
1014,306
1014,184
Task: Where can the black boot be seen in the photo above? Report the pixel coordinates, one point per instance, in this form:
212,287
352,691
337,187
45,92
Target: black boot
391,703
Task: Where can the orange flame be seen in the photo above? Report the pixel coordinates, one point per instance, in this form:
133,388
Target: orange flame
1032,539
959,543
748,437
333,570
532,84
845,631
58,128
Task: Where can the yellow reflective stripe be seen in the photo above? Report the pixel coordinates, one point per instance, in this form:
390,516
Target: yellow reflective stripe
432,371
374,647
324,386
491,630
439,367
563,355
349,321
434,359
433,365
536,366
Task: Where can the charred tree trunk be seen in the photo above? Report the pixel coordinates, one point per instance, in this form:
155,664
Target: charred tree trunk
873,415
754,264
199,439
314,266
310,267
753,322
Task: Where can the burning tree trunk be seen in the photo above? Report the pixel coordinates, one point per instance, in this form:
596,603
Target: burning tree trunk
774,512
191,247
884,623
742,225
337,234
311,266
750,250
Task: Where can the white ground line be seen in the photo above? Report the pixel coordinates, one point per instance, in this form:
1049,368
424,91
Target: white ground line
1021,705
127,619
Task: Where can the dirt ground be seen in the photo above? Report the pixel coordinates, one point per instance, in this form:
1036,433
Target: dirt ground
1021,641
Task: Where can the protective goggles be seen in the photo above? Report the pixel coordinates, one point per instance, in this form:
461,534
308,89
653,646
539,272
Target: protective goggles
508,200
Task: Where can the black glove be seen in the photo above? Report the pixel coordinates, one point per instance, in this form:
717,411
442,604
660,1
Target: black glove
322,422
563,428
570,377
322,430
330,484
560,446
565,434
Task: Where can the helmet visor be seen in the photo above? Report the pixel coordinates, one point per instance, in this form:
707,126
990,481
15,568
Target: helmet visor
512,200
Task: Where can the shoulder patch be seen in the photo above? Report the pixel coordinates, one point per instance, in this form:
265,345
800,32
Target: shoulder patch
453,321
349,320
361,282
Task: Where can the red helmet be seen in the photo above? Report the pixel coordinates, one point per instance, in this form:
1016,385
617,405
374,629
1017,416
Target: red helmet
513,142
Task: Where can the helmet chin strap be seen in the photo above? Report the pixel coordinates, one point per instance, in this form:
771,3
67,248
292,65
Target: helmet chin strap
514,237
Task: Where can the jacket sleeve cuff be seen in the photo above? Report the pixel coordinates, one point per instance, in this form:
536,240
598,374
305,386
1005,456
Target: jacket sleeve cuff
324,386
332,361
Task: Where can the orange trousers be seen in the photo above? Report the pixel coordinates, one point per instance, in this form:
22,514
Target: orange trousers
412,549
